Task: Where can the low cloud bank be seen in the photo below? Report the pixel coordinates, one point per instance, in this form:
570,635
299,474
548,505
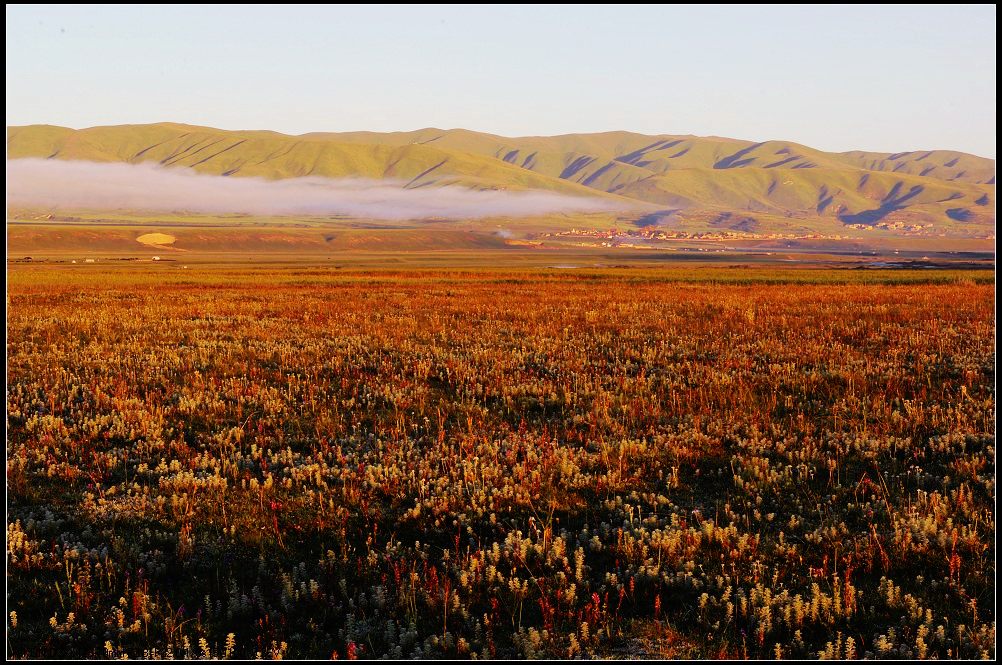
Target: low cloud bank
116,186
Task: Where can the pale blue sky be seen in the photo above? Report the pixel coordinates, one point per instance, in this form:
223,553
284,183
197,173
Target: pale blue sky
836,78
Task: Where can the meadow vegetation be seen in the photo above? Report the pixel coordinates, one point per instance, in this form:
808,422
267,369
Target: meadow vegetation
310,463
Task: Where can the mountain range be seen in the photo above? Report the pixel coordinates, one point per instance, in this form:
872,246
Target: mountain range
669,181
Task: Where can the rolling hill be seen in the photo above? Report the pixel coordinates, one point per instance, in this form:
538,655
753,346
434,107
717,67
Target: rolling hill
679,182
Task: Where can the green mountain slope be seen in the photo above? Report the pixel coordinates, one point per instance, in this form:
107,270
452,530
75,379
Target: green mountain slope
941,190
272,155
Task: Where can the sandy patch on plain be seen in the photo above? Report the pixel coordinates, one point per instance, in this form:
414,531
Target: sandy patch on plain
156,239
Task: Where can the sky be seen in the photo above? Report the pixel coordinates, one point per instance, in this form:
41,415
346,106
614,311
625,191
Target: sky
885,78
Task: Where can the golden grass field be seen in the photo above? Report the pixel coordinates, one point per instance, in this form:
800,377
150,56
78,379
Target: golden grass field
307,461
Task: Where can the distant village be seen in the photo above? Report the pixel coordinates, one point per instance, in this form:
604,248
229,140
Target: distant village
616,237
630,237
892,226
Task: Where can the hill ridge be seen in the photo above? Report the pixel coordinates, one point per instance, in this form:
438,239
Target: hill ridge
944,189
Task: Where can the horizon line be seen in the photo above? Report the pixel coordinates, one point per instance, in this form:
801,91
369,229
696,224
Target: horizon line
503,136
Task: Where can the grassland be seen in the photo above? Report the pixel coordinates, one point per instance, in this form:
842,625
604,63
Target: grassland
575,239
311,462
